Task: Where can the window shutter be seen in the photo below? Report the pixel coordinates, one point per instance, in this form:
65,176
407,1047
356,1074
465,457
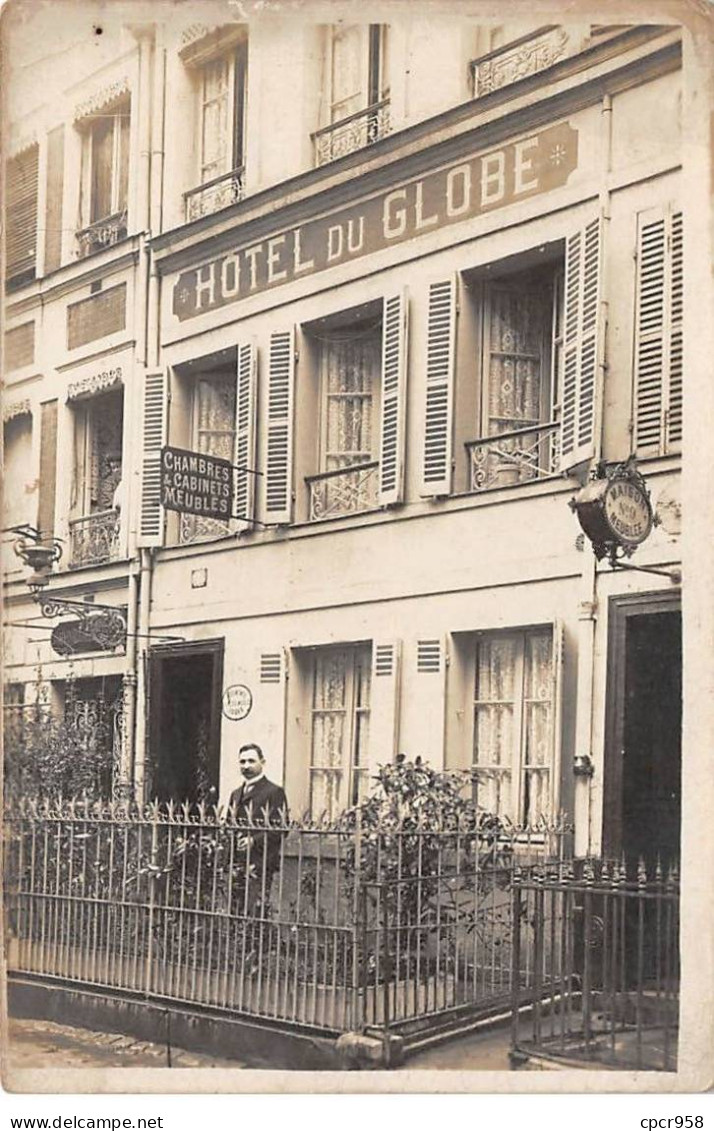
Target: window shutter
21,214
384,707
583,342
676,338
394,348
48,470
440,354
658,333
155,422
246,393
55,188
281,382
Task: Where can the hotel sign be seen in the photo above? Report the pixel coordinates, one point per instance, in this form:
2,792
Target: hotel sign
194,483
462,191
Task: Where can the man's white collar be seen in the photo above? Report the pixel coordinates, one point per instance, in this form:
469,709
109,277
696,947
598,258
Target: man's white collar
252,781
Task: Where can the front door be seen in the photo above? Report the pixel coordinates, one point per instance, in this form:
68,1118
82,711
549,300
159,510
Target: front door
643,758
185,685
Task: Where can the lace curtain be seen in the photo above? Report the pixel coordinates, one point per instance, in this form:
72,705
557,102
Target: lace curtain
513,723
214,414
350,377
340,729
518,322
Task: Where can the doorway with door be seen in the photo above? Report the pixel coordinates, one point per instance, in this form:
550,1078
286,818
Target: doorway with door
185,683
642,802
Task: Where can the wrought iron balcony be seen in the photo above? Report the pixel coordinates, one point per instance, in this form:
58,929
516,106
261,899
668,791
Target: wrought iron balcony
216,194
354,132
94,539
102,233
520,58
196,528
519,456
346,490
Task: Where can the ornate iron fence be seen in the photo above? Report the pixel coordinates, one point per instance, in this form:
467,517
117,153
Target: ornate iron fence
607,993
95,538
345,490
518,456
215,194
334,927
102,233
353,132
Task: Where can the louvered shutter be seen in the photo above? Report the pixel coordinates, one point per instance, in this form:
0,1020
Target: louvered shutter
427,679
48,471
154,425
676,338
394,348
440,353
281,382
384,706
21,214
658,333
582,347
55,188
246,393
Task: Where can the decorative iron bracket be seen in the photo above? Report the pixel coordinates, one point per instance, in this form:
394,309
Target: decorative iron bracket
103,625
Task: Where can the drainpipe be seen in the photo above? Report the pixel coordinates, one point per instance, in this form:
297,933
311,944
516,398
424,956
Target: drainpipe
141,675
151,355
158,120
587,838
144,37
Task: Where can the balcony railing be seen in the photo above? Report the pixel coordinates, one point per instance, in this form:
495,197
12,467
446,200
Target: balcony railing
216,194
513,457
102,233
354,132
519,59
347,490
94,538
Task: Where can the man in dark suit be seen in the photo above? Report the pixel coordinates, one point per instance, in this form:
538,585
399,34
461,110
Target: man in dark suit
260,810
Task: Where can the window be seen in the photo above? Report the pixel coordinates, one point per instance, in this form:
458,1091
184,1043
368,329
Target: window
213,432
222,87
21,216
339,774
513,723
520,364
96,498
355,89
105,178
349,374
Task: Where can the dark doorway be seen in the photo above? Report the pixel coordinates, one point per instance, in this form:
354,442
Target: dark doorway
185,691
643,760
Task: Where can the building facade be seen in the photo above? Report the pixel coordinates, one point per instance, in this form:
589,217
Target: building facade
415,295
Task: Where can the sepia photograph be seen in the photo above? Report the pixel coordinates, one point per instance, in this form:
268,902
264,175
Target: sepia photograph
358,634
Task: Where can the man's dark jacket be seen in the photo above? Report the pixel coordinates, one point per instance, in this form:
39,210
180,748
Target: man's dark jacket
264,799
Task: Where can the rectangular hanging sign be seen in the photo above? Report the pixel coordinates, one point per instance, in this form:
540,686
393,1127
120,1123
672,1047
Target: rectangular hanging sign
196,483
461,191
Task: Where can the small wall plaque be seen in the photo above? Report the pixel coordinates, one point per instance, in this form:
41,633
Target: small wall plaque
237,701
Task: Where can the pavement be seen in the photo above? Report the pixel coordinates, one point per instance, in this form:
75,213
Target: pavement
46,1044
42,1044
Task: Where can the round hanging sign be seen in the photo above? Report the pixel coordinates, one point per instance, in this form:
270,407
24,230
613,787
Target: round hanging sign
237,701
615,512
